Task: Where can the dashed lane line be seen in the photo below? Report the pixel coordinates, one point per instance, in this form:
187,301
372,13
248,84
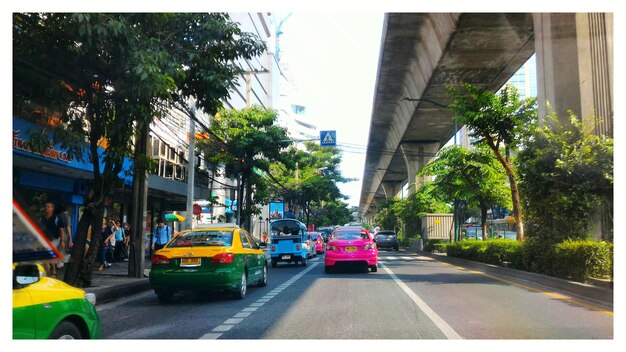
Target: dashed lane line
231,322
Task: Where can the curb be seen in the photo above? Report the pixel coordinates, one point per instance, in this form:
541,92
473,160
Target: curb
110,293
599,295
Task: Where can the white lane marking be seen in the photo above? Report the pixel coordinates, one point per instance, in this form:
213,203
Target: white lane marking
211,336
407,258
233,321
223,328
436,319
244,313
119,302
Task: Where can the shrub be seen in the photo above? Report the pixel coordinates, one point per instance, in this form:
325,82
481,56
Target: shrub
467,249
576,260
431,245
579,260
499,251
440,247
537,256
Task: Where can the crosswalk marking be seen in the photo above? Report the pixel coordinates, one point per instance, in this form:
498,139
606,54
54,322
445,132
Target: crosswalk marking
397,258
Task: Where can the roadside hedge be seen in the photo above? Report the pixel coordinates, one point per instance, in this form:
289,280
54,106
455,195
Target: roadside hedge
578,260
575,260
435,245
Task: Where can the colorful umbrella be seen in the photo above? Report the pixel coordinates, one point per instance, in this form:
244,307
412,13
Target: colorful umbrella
174,217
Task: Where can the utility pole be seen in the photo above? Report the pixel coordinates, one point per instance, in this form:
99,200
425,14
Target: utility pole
191,169
139,207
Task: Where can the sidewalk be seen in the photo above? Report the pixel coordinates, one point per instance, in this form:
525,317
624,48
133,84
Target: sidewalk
113,283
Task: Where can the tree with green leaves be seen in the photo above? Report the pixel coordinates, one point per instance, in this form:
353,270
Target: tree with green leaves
385,218
472,175
424,201
497,120
246,142
308,177
103,78
329,213
566,172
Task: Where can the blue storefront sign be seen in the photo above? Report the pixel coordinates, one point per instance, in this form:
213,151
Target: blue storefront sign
57,155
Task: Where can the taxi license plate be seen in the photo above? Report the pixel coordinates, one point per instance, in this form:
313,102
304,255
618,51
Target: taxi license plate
350,249
190,262
285,257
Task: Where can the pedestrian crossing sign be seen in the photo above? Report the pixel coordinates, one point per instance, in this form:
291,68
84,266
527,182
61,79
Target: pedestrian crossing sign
328,138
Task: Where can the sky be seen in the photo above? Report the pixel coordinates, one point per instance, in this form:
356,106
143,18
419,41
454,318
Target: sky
333,59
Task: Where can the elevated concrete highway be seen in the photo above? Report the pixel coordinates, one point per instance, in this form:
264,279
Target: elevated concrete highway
421,54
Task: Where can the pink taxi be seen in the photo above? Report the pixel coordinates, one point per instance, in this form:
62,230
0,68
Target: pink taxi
318,241
351,246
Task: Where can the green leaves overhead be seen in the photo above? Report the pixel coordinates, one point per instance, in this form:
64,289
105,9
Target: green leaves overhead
497,121
118,71
565,173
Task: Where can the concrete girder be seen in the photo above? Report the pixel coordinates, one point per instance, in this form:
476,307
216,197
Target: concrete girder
575,67
421,55
416,156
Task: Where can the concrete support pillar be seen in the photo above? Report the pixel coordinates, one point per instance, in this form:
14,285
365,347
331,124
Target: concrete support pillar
391,189
575,67
416,156
575,72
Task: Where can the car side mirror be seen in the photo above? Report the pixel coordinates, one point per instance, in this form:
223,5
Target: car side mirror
263,244
27,274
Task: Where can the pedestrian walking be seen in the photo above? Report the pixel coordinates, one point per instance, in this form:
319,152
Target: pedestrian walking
64,214
106,235
120,243
127,235
53,228
161,235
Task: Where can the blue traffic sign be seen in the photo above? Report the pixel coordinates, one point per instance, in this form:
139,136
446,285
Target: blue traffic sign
328,138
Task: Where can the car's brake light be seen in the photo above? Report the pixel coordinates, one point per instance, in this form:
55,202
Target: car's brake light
273,248
369,246
223,258
158,259
331,247
297,247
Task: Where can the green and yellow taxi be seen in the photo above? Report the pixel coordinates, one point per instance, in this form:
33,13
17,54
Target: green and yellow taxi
46,308
210,257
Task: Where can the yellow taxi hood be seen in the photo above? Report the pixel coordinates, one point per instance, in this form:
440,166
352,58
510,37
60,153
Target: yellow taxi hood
48,290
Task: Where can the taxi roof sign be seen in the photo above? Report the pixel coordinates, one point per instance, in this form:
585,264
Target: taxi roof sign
29,243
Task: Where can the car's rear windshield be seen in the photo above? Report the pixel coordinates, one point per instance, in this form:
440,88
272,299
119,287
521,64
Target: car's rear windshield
386,233
350,235
203,239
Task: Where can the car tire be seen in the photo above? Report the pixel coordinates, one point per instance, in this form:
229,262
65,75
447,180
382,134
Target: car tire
304,261
328,269
263,281
66,330
374,268
397,249
164,296
242,288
